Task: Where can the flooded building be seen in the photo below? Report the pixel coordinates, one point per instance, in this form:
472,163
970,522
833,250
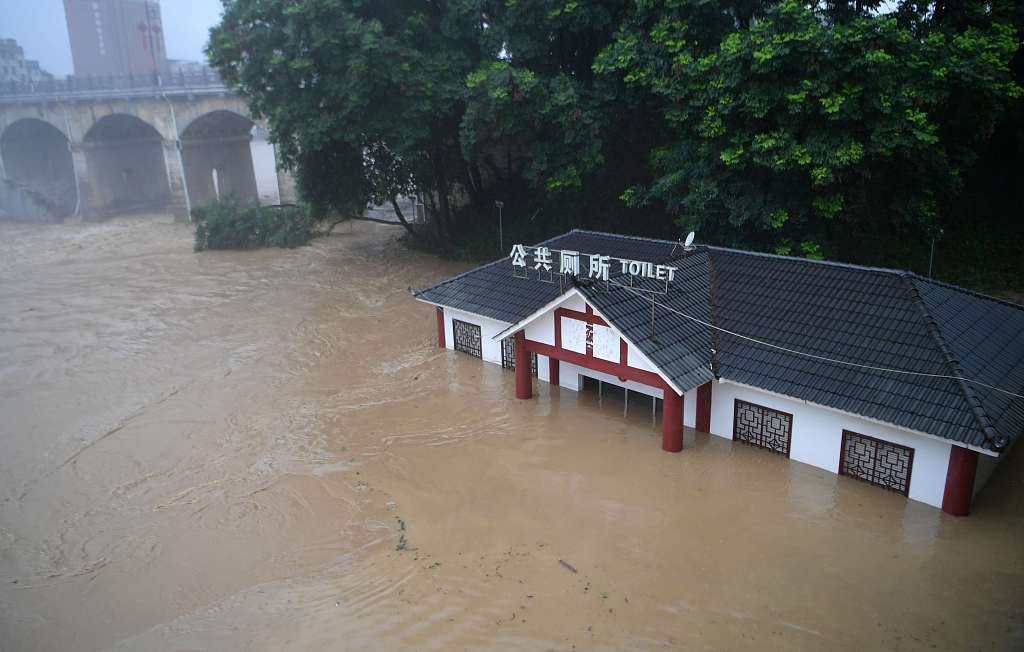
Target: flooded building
877,374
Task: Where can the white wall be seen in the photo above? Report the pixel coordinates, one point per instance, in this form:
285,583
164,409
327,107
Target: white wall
489,348
543,368
569,376
542,329
818,432
690,408
638,359
264,167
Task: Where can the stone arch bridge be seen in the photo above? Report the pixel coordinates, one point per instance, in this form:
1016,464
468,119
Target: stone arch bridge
113,145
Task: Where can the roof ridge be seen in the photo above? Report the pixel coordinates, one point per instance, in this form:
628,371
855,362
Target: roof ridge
747,252
810,261
967,291
622,235
977,409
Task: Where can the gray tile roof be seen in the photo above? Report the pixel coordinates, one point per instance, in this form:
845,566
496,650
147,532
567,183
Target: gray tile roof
678,346
985,340
868,316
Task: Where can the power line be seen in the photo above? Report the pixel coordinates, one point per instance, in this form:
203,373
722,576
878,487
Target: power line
820,357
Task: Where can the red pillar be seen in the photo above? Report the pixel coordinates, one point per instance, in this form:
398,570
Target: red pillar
704,407
963,465
440,327
553,371
524,384
672,422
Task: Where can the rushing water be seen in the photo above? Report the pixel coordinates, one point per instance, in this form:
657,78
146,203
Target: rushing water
266,450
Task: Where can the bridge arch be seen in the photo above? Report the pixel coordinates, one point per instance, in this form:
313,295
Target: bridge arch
128,172
216,149
36,157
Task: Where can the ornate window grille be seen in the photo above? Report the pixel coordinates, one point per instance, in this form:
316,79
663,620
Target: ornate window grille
467,338
762,427
508,355
879,462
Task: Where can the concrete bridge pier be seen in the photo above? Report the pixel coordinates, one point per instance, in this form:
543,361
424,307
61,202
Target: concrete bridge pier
100,193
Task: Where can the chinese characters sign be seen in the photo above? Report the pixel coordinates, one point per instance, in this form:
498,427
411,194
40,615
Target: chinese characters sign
598,266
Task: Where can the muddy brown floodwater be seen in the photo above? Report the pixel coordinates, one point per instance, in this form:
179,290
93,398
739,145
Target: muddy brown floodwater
267,451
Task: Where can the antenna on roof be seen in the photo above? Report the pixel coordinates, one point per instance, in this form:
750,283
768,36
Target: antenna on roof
685,245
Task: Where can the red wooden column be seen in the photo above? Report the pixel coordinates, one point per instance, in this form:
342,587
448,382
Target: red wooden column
524,384
963,465
704,407
672,422
440,327
553,371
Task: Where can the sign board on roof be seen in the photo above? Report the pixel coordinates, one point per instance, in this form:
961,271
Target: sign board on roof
598,265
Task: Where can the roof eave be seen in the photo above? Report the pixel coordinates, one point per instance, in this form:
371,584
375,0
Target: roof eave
881,422
462,310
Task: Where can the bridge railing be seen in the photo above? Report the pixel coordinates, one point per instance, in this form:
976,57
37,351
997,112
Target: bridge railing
199,78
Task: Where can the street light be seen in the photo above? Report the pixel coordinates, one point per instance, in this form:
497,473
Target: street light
501,235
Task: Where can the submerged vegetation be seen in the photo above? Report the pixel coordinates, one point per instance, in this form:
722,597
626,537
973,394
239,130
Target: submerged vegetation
856,130
229,223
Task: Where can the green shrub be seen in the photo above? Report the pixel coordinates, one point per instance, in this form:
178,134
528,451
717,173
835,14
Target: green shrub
228,223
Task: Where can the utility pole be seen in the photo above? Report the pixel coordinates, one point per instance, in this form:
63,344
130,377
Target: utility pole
936,233
501,235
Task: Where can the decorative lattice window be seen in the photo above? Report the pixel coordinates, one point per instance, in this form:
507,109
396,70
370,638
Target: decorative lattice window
879,462
762,427
467,338
508,355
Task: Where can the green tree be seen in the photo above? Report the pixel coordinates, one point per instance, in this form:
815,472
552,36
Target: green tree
463,102
554,139
794,126
535,109
340,80
806,123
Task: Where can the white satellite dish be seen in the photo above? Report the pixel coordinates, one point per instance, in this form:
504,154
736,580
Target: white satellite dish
689,240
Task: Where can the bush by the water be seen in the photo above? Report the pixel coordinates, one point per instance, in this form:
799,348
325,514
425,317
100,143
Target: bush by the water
228,223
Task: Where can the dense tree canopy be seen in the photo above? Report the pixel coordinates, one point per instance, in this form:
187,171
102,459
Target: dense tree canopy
784,125
803,118
340,81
